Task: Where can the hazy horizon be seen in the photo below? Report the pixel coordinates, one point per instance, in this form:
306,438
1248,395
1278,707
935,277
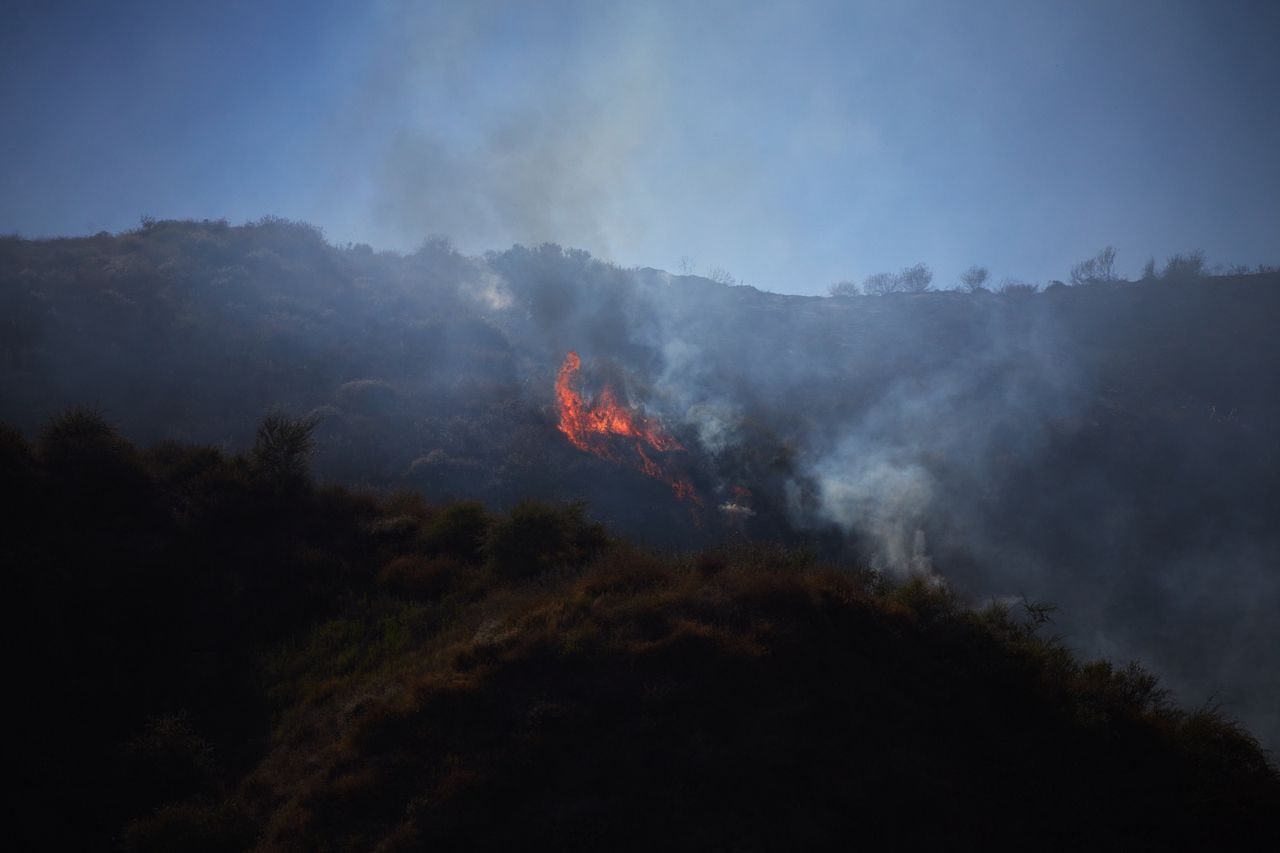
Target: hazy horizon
790,147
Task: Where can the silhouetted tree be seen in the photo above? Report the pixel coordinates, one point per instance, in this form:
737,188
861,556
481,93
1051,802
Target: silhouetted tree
1100,269
845,288
915,279
720,275
974,278
880,284
283,447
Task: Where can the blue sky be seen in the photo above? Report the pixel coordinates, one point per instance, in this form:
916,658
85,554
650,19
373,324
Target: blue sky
792,144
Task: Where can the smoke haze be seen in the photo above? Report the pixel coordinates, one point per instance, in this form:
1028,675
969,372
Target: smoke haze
793,146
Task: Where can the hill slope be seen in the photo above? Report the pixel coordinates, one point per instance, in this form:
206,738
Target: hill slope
1110,448
223,656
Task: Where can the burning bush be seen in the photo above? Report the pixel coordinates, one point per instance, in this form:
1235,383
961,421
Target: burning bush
611,430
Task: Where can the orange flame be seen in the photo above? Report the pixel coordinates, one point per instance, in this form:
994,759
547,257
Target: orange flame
596,427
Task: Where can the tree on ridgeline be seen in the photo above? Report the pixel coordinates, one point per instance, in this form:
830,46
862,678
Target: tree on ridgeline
1100,269
916,279
974,278
880,283
912,279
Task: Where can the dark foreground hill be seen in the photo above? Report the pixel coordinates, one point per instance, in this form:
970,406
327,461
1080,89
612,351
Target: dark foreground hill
213,654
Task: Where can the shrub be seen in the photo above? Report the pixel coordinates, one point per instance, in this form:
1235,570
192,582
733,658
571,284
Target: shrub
973,279
925,596
420,577
280,453
459,530
79,426
720,275
83,452
915,279
1014,287
880,284
537,537
280,225
1184,266
1100,269
1104,692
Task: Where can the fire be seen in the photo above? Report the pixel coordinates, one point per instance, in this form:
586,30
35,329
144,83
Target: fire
604,428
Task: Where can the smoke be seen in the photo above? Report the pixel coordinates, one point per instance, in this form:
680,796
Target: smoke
716,423
490,291
510,148
878,497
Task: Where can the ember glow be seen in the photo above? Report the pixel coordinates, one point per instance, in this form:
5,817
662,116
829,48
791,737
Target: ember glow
608,429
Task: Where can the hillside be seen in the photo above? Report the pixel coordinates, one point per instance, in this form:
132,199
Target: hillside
1109,448
218,654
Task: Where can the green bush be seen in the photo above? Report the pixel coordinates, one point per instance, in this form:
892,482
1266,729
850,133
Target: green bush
537,537
459,530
